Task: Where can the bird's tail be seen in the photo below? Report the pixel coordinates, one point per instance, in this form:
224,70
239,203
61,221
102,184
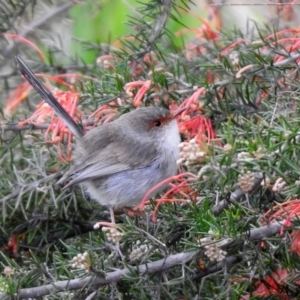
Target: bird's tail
48,97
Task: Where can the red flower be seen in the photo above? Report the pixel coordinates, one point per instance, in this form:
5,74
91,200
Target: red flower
57,130
144,87
295,244
275,284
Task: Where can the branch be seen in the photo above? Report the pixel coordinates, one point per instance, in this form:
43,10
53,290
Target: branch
15,127
276,65
234,196
254,234
71,230
150,268
160,23
230,260
9,50
286,61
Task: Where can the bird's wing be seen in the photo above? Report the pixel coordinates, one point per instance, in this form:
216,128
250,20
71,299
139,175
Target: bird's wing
110,159
95,171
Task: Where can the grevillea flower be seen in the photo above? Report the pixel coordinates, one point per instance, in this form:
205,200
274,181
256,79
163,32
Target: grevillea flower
287,210
144,87
286,12
291,44
232,46
16,97
209,28
208,31
22,91
181,188
25,41
274,285
198,127
295,244
107,112
57,131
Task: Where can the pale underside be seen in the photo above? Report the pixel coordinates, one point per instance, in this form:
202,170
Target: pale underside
120,172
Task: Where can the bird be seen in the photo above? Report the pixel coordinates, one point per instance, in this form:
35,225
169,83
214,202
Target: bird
118,162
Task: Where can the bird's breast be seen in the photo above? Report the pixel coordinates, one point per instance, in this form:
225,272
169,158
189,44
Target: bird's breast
127,188
170,142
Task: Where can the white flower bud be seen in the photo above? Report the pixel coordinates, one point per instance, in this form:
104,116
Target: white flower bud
97,226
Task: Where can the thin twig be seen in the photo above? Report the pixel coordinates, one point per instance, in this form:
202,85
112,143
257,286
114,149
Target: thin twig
275,65
15,127
251,4
254,234
160,23
9,50
28,187
217,267
111,277
51,238
234,196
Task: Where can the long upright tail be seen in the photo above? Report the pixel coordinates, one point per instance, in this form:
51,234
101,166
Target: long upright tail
48,97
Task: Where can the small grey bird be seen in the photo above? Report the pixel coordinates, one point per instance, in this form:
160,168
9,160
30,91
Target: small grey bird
119,162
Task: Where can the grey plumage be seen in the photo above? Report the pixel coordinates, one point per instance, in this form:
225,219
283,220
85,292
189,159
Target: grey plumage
119,162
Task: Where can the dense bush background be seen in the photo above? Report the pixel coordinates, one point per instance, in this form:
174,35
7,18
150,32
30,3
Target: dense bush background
229,228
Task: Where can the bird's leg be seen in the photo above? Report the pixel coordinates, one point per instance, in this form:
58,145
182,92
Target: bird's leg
112,227
111,224
112,215
113,221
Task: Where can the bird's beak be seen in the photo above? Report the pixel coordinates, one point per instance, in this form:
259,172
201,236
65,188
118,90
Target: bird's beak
177,112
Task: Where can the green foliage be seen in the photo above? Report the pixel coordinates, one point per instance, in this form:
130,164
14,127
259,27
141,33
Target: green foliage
115,22
255,114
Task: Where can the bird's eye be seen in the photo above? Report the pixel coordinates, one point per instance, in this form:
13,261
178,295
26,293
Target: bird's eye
157,123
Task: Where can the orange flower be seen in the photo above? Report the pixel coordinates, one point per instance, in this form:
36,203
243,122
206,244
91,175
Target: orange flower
295,244
145,86
25,41
285,31
106,113
57,128
231,46
207,31
178,189
192,103
198,127
16,97
275,284
57,131
287,210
